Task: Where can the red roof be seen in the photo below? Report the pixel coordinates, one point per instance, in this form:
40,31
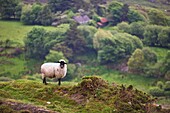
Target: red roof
103,20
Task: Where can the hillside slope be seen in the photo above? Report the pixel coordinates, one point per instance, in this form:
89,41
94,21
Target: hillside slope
93,94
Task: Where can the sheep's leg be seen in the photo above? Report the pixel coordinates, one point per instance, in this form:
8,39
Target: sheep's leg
44,81
59,81
44,78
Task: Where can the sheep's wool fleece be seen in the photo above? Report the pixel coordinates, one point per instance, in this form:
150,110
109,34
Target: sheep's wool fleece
52,70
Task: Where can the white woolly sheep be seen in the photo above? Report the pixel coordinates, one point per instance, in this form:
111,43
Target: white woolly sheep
54,70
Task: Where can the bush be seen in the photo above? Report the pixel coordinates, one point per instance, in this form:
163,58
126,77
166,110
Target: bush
160,84
149,55
167,86
124,26
30,16
54,56
134,16
35,44
151,35
136,61
155,91
157,17
167,75
137,29
112,48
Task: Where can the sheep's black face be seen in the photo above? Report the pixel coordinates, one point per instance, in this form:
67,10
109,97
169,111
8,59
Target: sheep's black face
62,63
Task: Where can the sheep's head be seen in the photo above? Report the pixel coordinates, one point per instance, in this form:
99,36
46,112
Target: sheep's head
62,63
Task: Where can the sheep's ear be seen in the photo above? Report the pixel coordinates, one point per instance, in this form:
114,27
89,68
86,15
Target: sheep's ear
65,63
58,62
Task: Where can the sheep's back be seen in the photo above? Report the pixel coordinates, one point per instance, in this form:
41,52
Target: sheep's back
48,69
53,70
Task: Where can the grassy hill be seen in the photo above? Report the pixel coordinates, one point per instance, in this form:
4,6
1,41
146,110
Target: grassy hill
24,91
92,94
16,32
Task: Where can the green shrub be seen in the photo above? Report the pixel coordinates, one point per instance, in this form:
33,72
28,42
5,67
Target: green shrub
156,91
160,84
149,55
167,75
124,26
55,56
167,86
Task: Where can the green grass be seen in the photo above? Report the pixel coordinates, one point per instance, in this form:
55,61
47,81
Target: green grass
16,67
15,31
138,81
11,67
161,52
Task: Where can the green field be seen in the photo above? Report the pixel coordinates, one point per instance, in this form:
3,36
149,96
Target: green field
16,32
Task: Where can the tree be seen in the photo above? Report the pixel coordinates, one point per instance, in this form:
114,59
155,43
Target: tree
112,48
99,36
115,9
134,16
54,56
60,5
121,12
35,44
87,32
74,40
155,35
162,68
18,12
144,61
137,29
163,37
124,26
30,16
157,17
151,35
55,40
136,61
166,63
149,56
45,16
9,9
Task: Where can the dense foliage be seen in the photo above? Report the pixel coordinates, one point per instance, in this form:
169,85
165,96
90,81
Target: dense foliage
119,12
112,48
35,44
37,14
10,9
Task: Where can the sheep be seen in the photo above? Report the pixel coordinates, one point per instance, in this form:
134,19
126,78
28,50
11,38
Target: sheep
54,70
